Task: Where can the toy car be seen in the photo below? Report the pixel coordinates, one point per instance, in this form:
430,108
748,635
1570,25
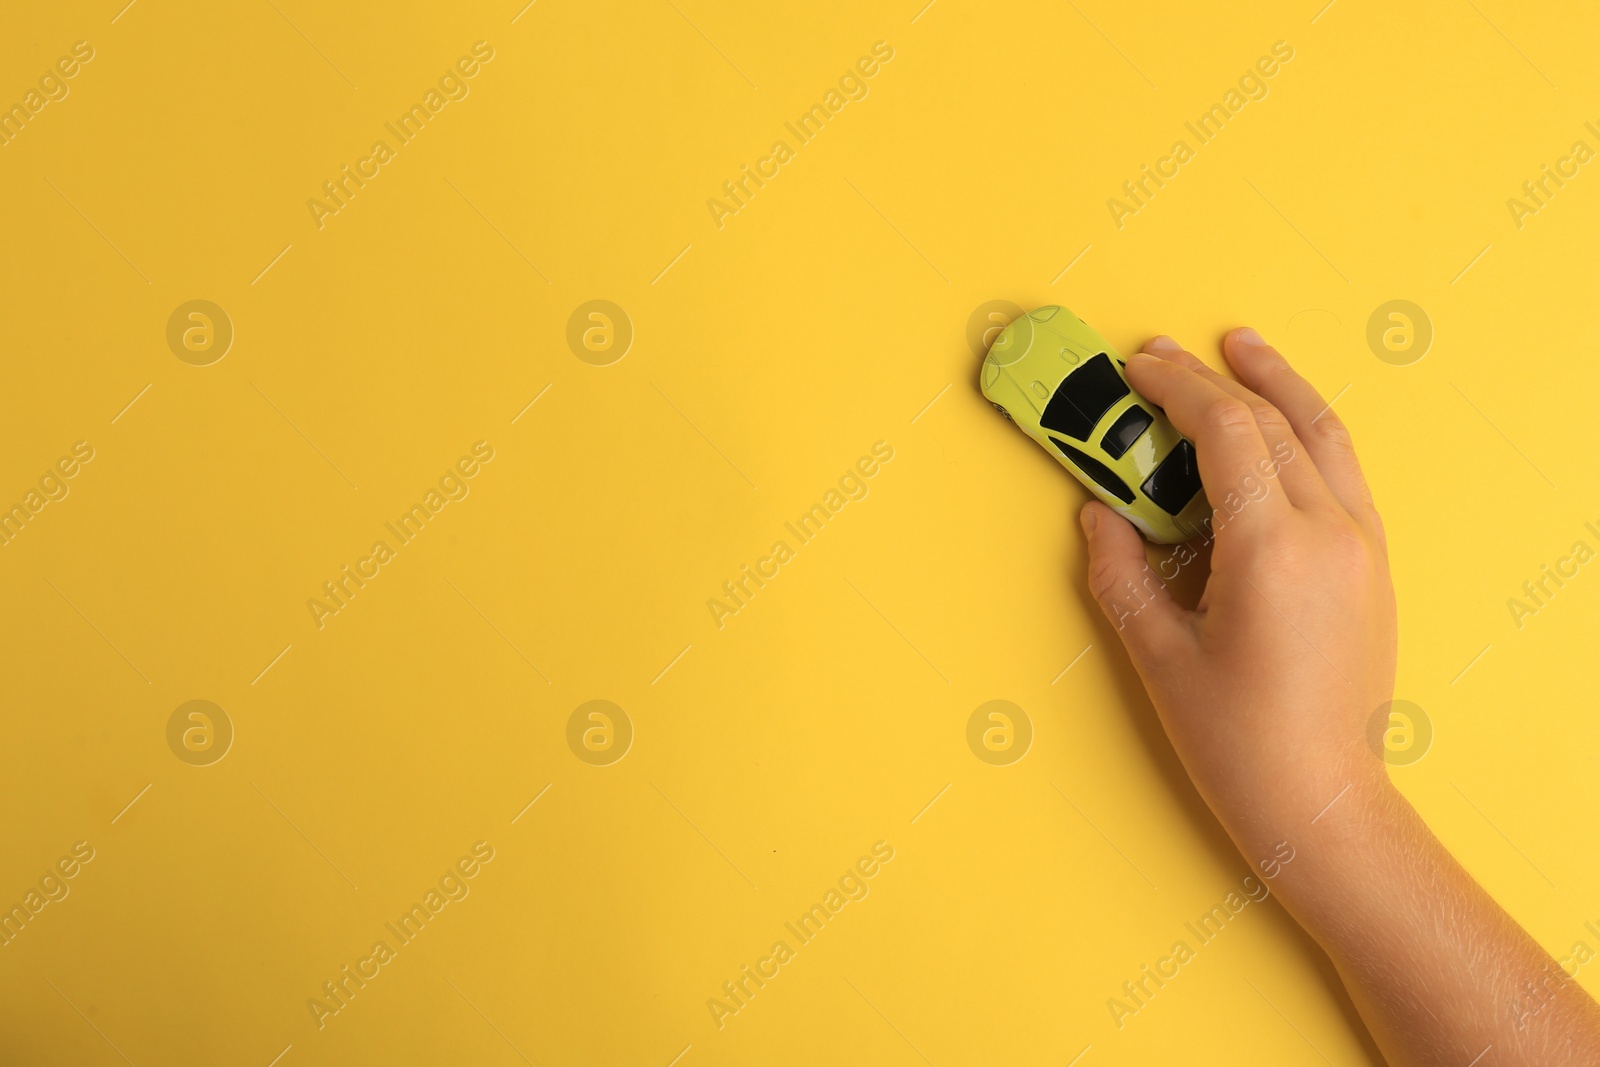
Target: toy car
1063,384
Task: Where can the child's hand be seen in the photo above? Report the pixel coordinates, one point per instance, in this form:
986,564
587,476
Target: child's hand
1266,688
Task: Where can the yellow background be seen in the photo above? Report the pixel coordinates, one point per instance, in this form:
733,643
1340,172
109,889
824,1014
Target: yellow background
770,355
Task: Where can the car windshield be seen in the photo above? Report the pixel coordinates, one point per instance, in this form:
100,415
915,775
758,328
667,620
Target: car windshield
1083,397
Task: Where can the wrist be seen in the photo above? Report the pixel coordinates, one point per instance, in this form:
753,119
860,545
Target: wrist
1333,801
1349,859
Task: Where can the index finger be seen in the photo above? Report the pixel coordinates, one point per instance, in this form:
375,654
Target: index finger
1229,449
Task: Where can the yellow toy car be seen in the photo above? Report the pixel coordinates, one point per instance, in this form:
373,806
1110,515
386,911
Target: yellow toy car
1063,384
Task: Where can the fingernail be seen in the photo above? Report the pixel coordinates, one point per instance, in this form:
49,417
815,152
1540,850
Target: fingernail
1162,343
1249,336
1088,517
1142,357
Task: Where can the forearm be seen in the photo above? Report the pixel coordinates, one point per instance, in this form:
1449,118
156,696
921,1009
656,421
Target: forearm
1438,970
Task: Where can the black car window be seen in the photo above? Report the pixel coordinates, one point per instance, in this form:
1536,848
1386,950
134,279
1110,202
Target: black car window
1103,476
1175,480
1083,397
1126,430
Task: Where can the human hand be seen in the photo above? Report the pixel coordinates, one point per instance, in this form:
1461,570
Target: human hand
1265,688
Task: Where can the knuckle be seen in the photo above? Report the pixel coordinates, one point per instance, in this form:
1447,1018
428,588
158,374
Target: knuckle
1366,516
1380,534
1332,432
1104,578
1270,419
1273,365
1230,415
1349,549
1121,592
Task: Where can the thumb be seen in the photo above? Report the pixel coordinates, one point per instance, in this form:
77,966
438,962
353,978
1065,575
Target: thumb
1132,595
